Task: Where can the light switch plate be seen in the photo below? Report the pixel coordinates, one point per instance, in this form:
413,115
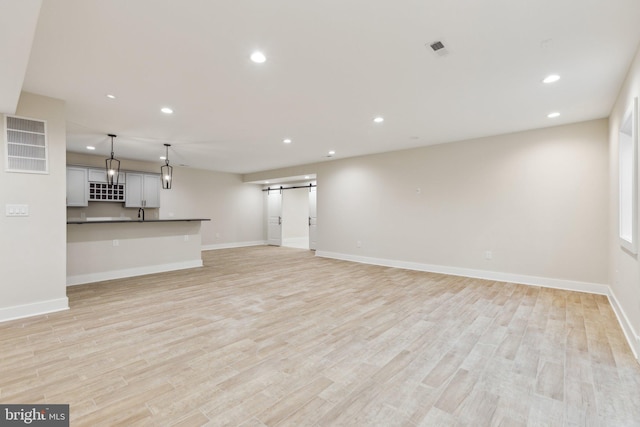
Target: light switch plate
17,210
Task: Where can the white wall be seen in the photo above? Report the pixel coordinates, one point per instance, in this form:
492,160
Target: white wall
536,199
624,268
32,249
234,207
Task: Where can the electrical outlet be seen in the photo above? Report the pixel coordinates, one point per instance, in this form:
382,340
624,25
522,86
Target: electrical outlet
116,242
488,255
359,244
186,237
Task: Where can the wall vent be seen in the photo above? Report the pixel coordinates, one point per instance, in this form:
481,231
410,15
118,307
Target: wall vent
438,48
26,145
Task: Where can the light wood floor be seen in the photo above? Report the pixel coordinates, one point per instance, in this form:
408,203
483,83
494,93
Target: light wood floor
267,336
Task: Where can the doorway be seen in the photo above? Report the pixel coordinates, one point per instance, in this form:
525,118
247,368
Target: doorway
291,216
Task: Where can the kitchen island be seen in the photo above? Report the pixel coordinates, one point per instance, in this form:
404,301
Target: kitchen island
111,248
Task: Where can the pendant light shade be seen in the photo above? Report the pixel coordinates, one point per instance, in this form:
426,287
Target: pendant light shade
113,166
166,170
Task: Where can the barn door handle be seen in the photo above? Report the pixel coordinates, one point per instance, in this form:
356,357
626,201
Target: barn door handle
279,220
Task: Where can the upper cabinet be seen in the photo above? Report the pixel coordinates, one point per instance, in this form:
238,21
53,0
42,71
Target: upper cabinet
100,191
142,190
86,184
77,186
100,175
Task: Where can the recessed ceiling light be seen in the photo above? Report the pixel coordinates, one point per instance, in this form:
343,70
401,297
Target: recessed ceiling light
90,147
379,119
307,177
110,96
163,158
166,110
258,57
551,78
287,141
331,153
266,182
553,115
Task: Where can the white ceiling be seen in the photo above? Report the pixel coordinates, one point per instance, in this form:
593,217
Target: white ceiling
17,27
332,66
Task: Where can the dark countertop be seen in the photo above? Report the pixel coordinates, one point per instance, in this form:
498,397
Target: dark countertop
135,221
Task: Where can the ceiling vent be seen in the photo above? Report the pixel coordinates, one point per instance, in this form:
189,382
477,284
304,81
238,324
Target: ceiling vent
438,48
26,145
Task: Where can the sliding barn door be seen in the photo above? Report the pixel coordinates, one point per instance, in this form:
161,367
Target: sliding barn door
274,217
313,220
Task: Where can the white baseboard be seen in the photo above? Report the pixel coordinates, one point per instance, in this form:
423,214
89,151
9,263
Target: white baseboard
627,328
131,272
233,245
570,285
33,309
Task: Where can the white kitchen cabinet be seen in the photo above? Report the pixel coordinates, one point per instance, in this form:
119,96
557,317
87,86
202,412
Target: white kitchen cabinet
151,191
142,190
77,186
100,191
100,175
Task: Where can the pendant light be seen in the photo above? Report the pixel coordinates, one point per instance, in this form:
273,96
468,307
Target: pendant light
113,166
166,170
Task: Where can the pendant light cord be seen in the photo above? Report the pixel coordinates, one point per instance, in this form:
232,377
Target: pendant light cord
112,136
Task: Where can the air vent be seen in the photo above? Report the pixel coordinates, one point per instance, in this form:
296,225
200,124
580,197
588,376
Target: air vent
438,48
26,145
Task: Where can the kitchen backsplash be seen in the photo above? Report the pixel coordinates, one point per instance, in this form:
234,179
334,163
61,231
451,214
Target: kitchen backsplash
109,209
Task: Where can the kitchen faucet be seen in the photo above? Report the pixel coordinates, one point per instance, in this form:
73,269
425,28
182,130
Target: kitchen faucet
141,214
